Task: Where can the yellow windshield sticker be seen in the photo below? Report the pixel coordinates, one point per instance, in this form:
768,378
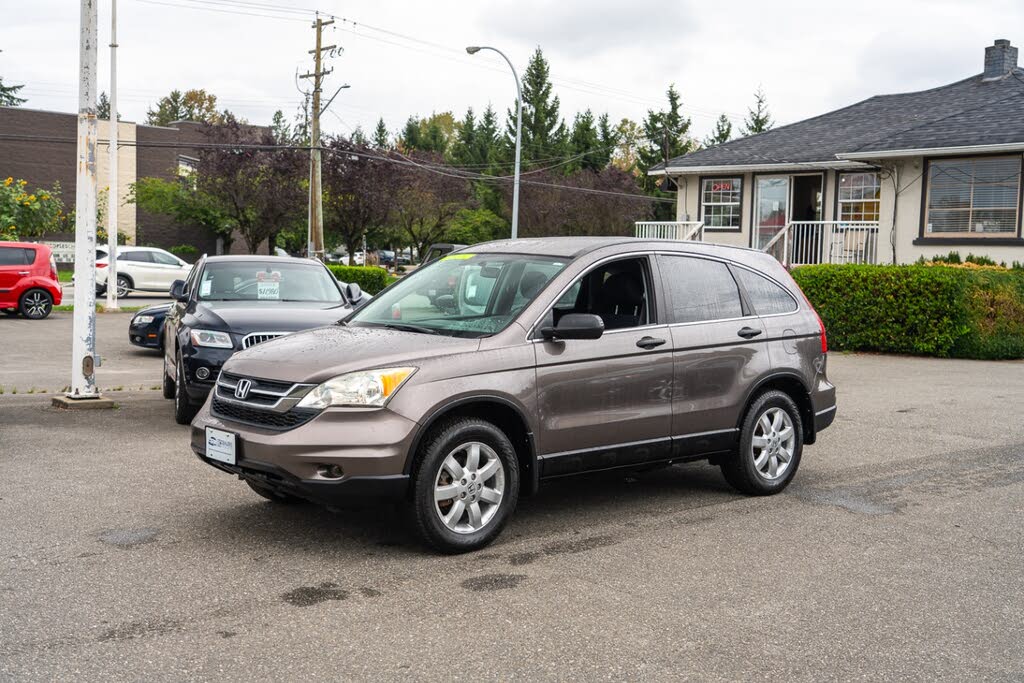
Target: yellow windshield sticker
457,257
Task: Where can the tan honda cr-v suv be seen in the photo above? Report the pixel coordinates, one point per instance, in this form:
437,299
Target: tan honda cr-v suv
540,358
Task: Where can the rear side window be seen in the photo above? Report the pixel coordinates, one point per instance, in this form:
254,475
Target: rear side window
700,289
765,296
164,259
16,256
140,256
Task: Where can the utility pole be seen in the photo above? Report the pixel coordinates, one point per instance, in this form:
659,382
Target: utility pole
113,196
83,344
316,204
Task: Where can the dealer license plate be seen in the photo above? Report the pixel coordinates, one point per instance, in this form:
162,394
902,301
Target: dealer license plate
220,445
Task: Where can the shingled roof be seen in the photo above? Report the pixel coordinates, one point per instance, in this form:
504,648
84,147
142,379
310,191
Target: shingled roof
980,110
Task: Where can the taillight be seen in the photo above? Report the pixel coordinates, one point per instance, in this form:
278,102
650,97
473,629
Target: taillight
821,326
53,268
101,265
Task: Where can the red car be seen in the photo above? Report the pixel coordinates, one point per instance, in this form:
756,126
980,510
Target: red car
28,280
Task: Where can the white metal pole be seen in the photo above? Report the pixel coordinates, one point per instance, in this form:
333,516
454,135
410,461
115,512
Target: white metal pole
519,134
83,344
113,194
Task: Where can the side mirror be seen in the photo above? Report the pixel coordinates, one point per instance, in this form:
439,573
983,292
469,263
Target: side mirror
575,326
353,292
178,291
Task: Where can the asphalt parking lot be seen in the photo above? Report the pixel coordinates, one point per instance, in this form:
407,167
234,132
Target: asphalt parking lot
896,553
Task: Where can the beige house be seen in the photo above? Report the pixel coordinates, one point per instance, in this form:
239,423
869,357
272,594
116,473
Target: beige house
886,180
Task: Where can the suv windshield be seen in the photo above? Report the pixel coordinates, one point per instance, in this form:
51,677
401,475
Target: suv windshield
464,295
268,281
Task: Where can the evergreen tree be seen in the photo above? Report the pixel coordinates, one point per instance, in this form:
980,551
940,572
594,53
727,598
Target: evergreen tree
488,147
758,119
609,138
543,134
666,136
721,133
464,148
584,142
9,95
300,130
359,138
381,137
103,108
410,138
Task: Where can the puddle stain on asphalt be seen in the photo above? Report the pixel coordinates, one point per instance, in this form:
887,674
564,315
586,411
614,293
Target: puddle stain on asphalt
493,582
128,538
572,546
307,596
140,629
370,592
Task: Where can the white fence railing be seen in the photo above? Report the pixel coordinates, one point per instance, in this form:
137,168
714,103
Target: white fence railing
670,230
807,242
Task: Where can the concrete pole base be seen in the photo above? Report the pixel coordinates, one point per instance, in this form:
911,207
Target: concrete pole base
98,403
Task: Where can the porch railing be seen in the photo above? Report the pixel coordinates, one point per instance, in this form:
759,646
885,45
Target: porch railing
670,230
806,242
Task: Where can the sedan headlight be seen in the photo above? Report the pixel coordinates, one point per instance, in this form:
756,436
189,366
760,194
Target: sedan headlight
212,338
369,388
142,320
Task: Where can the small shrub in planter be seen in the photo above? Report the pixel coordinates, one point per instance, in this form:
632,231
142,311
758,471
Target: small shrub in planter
370,279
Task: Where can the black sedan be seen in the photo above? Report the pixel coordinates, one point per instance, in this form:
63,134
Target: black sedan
230,303
146,328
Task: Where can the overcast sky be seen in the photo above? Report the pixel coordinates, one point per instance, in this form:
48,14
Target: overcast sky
405,57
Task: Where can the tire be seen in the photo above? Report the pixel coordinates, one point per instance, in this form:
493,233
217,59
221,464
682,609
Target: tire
271,495
124,286
36,304
491,490
760,467
168,385
184,409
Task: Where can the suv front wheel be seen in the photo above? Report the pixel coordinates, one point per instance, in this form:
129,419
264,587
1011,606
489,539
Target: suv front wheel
771,442
466,485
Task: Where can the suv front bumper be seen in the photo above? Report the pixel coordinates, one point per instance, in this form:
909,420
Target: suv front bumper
369,445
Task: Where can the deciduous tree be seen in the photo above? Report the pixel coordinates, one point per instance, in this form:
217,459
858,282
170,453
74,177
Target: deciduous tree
358,188
192,105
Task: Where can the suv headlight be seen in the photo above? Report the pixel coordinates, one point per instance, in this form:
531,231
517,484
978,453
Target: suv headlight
365,388
212,338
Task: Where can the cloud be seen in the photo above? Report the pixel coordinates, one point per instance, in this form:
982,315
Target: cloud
594,28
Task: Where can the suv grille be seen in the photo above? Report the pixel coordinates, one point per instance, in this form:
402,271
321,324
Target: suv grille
267,419
260,337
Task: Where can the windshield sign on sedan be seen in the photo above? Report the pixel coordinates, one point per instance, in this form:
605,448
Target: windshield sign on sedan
464,295
276,281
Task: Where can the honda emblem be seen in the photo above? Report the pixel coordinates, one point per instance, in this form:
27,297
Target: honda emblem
242,389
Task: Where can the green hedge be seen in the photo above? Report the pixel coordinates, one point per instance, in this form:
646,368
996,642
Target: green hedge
924,310
369,278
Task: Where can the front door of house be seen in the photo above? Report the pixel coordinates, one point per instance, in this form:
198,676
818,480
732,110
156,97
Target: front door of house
771,208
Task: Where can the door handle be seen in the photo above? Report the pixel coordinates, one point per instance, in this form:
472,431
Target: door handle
748,332
650,342
23,272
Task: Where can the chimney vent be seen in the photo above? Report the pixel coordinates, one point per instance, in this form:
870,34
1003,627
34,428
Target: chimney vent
1000,59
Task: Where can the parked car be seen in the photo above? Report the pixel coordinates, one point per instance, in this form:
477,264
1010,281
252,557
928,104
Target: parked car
146,328
228,303
28,280
386,258
436,251
552,357
140,269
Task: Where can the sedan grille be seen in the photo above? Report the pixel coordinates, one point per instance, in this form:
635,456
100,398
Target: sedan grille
259,337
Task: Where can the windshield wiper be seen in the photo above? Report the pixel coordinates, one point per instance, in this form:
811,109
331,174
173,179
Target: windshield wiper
406,327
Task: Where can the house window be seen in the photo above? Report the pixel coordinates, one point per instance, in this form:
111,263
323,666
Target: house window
720,202
859,197
187,167
973,197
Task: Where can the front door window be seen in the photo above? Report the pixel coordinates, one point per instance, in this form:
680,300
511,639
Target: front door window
772,209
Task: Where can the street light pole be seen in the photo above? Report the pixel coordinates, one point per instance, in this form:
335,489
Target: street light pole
113,192
519,133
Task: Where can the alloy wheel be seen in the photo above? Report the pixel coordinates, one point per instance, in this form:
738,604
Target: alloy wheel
37,304
469,487
773,443
122,286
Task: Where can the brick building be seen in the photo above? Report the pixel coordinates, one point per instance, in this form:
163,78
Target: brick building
40,146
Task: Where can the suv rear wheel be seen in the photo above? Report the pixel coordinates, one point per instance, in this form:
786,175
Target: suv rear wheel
771,442
466,485
124,286
36,304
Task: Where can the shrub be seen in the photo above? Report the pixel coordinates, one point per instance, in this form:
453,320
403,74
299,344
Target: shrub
369,278
185,252
924,310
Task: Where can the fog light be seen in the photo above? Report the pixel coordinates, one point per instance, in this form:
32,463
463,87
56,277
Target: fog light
203,373
330,471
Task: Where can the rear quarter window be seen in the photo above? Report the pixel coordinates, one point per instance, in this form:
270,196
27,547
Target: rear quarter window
765,296
16,256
